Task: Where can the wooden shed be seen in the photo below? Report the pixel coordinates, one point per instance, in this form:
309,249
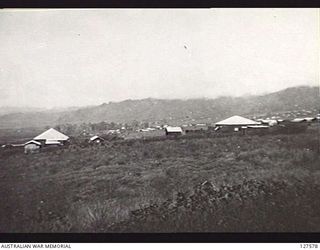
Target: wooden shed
31,147
96,139
173,131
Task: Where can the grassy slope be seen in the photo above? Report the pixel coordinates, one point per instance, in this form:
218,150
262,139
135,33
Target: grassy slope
59,190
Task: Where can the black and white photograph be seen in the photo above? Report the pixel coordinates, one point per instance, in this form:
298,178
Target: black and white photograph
160,120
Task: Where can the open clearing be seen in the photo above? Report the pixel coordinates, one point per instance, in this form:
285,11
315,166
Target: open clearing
76,188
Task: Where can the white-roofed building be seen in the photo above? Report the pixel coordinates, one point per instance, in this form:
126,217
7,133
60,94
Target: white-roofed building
298,120
173,130
51,136
310,119
235,123
96,139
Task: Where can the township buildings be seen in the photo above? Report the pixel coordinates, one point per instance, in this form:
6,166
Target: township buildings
233,124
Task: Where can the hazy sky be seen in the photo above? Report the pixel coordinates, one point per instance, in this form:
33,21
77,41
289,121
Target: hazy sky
52,58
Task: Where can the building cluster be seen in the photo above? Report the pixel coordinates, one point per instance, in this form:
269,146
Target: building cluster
241,124
234,124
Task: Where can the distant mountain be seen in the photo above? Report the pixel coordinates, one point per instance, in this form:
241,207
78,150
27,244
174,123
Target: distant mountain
29,119
10,110
289,102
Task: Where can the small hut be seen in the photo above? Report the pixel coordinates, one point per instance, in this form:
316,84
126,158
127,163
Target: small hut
96,139
31,147
298,120
173,131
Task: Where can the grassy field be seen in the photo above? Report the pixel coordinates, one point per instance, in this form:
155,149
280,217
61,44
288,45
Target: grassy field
270,183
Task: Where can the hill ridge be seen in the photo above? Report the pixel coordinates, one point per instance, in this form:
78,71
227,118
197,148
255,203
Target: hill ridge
176,111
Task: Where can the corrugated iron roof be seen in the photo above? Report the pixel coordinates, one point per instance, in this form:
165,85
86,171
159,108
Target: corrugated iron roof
298,120
309,119
32,142
174,129
237,120
52,134
95,137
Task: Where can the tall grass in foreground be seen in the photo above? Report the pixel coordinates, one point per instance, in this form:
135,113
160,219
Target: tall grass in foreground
252,206
138,185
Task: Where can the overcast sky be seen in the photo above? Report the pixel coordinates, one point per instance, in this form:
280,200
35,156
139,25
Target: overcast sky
53,58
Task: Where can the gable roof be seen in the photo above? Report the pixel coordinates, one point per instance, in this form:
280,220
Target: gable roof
51,134
298,120
310,119
96,137
32,142
237,120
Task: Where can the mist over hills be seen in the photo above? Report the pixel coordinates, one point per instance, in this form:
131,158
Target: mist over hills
301,98
11,110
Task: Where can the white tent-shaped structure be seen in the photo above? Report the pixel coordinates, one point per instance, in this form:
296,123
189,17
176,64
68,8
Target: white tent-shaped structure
51,136
237,121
